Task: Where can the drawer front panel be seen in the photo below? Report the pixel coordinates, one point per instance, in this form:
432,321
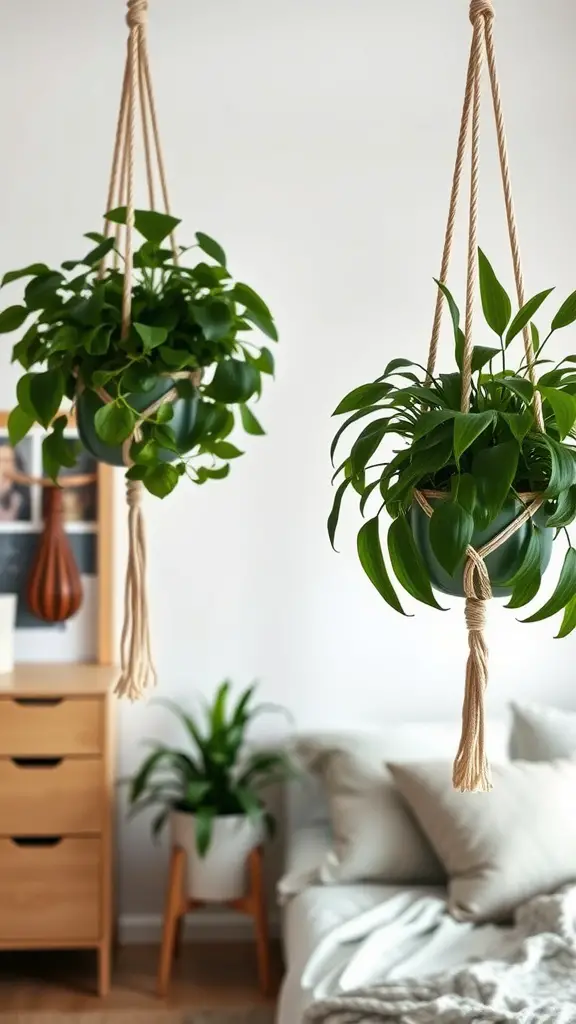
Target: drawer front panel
50,892
40,797
52,727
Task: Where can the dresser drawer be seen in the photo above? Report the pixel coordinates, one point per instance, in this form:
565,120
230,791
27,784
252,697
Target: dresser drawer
42,797
50,892
51,727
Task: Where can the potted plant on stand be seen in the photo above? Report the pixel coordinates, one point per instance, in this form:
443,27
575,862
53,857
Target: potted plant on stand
211,793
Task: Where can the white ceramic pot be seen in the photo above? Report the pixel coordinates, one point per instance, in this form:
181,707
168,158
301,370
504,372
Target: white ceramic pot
7,628
222,873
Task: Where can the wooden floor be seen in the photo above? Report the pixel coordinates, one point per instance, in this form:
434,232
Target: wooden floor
206,976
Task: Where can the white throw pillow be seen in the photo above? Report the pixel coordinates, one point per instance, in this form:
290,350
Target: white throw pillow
541,733
503,847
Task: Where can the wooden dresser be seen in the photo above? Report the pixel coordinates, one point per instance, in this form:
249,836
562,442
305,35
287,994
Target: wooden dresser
56,810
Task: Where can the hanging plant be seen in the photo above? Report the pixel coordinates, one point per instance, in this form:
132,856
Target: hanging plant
478,470
191,332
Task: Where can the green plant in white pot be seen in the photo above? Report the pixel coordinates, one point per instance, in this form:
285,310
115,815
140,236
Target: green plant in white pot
211,793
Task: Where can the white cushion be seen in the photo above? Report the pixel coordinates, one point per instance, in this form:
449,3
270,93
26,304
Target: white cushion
541,734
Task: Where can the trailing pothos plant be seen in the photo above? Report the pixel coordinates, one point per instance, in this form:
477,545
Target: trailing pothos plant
184,318
479,462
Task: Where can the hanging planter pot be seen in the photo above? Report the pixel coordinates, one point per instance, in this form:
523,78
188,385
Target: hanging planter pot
502,565
158,352
470,472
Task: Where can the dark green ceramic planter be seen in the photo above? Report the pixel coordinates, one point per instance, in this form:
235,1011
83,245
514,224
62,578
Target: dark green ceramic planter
501,564
88,404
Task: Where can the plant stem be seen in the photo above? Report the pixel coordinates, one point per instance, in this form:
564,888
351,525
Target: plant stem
565,530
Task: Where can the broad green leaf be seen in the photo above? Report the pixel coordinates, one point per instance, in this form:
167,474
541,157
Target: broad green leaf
482,355
32,271
517,385
98,254
562,465
19,423
565,511
566,314
263,323
564,592
524,315
464,491
204,473
65,339
144,453
451,389
151,337
214,317
57,451
42,291
165,413
366,444
249,421
423,394
427,421
12,318
362,397
139,378
234,381
467,427
520,423
451,529
225,450
335,511
372,561
114,423
23,395
569,619
407,563
496,304
494,470
526,581
97,340
563,407
396,364
248,298
153,226
211,248
46,394
162,479
368,490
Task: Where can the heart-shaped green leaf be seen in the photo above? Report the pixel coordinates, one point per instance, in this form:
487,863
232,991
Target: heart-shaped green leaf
451,529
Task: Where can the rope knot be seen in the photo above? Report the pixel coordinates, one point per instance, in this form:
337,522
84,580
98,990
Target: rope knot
133,493
138,13
481,7
475,614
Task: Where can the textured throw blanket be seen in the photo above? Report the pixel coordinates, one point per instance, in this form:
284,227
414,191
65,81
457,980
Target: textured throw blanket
533,983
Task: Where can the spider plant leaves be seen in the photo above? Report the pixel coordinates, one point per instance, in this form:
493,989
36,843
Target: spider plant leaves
496,304
335,511
565,511
451,529
365,395
467,427
525,583
408,564
367,443
494,470
566,315
564,592
430,396
568,619
563,406
372,561
459,339
525,314
359,414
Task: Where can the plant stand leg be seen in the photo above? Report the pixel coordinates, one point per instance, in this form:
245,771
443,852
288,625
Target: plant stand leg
104,954
172,915
258,900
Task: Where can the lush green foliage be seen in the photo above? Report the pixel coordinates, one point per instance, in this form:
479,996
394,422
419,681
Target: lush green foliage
216,775
479,459
183,318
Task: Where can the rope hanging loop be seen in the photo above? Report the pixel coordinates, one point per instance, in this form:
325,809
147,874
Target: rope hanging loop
478,8
137,13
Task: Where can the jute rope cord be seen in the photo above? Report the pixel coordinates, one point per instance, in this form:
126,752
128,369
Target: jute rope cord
137,669
471,770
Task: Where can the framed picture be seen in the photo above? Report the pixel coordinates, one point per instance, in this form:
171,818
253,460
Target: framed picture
87,516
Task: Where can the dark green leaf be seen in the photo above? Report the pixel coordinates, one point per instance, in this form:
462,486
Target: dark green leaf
494,470
32,271
520,423
564,592
524,315
451,529
496,304
394,365
204,827
215,319
563,407
566,314
152,337
233,381
114,423
335,511
12,318
144,453
57,451
211,248
464,491
366,444
165,413
46,394
263,323
224,450
263,362
427,421
41,292
139,378
525,583
247,297
249,421
153,226
203,473
372,561
565,511
454,311
362,397
423,394
23,395
518,386
98,254
161,480
19,423
467,427
562,465
407,562
482,355
535,335
569,619
65,339
451,389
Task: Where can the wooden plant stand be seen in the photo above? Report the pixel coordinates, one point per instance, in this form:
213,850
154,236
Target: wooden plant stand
177,905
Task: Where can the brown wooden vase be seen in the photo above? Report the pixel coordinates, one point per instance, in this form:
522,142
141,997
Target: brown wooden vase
54,590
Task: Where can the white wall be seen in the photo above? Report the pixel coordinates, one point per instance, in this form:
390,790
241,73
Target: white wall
315,139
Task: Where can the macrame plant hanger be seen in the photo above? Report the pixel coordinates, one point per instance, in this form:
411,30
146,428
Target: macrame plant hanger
471,770
137,669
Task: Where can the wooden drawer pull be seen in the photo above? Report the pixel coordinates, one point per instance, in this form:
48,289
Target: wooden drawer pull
36,840
37,702
36,762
